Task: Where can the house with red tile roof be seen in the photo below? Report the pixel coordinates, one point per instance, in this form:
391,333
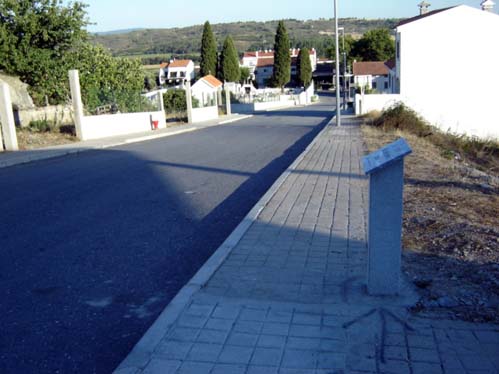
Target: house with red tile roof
373,75
261,64
176,72
206,90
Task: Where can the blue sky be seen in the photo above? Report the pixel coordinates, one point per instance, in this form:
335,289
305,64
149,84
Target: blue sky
123,14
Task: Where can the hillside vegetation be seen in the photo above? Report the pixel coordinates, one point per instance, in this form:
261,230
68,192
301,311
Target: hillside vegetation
246,36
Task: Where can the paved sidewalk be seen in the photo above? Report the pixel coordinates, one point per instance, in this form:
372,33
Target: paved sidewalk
285,293
22,157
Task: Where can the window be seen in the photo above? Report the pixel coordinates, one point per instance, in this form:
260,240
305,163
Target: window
398,49
173,74
375,85
386,85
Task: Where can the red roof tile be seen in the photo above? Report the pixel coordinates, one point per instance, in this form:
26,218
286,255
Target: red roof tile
212,81
370,68
179,63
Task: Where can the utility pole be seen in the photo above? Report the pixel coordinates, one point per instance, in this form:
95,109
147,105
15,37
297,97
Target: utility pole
337,58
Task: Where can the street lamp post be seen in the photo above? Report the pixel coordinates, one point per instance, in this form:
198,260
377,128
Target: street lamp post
344,69
337,58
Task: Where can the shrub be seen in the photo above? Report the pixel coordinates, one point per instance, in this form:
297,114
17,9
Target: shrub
483,153
42,125
175,101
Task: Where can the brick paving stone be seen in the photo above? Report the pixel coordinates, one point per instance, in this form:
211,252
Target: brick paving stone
242,339
174,350
204,352
299,359
212,336
266,356
426,368
160,366
228,369
235,355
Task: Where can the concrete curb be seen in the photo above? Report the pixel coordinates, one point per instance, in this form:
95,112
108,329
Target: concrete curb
235,119
139,357
55,153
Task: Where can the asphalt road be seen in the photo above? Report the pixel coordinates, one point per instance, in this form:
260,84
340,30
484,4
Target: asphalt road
94,246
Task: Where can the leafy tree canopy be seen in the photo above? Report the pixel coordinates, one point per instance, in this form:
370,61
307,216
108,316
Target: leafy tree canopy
282,58
229,70
304,67
208,51
375,45
40,40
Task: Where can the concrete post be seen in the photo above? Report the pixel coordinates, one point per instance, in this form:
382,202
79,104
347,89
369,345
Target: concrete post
227,102
161,102
74,84
219,98
188,96
7,119
386,182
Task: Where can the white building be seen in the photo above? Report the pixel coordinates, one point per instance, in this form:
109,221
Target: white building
447,68
206,90
261,64
373,75
176,72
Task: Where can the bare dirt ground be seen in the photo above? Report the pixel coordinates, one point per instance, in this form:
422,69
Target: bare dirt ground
450,231
32,140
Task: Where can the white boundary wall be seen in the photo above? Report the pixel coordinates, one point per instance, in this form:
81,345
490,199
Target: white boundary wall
96,127
431,113
367,103
204,114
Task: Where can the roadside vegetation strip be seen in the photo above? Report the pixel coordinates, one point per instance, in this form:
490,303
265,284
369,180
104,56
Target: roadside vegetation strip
483,154
450,233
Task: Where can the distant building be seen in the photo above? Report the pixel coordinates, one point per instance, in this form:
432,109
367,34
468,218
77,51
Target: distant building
261,64
447,68
206,89
373,75
176,72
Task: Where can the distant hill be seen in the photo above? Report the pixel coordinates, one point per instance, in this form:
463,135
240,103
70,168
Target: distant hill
246,35
117,32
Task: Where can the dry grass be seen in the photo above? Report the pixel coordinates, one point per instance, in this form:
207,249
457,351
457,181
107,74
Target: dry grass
28,139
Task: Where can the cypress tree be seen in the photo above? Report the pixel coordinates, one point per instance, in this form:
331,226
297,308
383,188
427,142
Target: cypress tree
282,57
304,68
229,71
208,51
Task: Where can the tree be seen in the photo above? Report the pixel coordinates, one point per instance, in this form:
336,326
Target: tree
208,51
304,67
34,36
282,58
375,45
245,74
229,69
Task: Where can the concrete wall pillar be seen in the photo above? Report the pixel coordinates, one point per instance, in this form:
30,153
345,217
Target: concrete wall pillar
227,102
7,118
188,96
161,101
219,97
74,84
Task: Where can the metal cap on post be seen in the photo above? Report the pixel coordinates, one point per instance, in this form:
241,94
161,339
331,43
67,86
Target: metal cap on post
385,168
